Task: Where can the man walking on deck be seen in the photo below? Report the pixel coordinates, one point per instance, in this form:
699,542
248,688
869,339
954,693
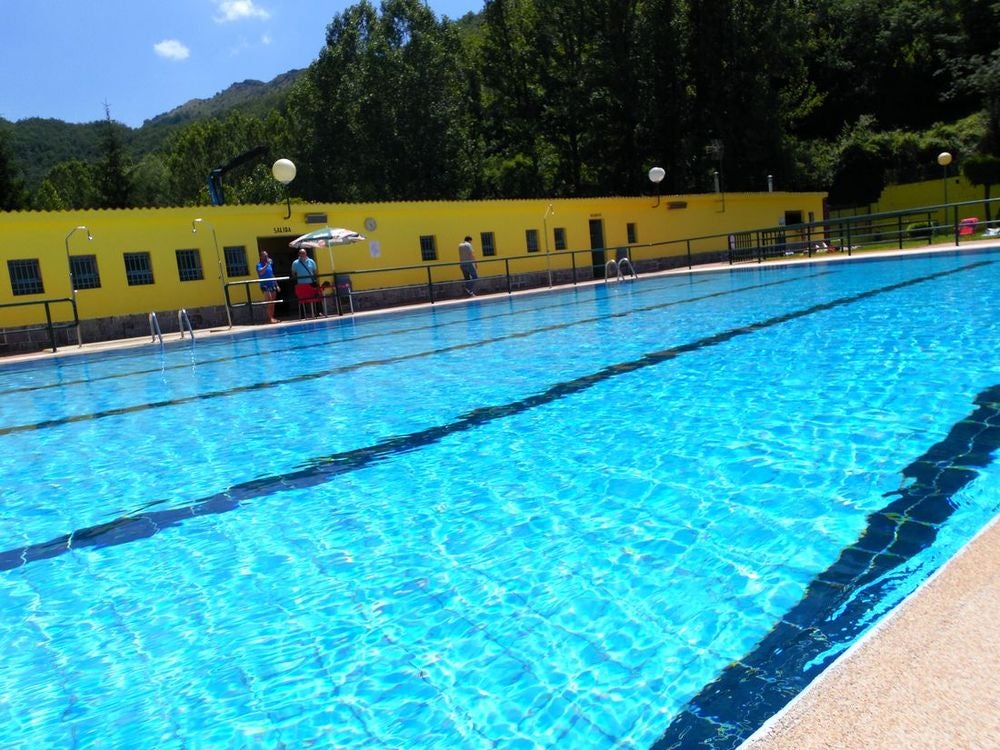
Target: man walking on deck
468,264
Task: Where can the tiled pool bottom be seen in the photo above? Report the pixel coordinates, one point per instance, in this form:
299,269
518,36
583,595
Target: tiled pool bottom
471,575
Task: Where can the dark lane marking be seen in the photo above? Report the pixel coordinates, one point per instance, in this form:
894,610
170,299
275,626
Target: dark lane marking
320,470
836,605
230,391
298,347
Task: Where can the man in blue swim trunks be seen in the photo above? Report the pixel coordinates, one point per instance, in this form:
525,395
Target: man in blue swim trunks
265,272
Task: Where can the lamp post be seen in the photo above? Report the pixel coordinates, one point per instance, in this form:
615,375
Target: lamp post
284,172
656,175
72,281
944,159
218,258
716,149
545,228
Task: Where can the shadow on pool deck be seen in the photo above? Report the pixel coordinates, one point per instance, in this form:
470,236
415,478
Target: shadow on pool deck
926,677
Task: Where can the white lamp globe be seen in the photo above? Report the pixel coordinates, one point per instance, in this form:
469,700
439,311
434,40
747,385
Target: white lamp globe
283,171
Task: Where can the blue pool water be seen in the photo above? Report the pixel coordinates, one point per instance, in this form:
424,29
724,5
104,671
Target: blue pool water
634,515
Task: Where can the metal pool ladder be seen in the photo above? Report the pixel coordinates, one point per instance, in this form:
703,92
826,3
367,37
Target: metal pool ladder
182,321
154,328
620,267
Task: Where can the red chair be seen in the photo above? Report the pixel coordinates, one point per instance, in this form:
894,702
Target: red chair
968,226
308,296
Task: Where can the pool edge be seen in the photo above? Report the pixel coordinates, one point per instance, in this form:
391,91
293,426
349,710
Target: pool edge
924,676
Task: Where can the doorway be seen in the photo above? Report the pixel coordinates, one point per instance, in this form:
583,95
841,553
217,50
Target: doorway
597,247
282,256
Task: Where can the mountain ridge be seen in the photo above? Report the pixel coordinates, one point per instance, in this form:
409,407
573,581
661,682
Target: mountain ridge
237,94
41,143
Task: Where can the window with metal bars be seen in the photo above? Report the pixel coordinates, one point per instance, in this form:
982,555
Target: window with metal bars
531,240
428,247
138,269
487,243
189,265
85,273
25,277
236,261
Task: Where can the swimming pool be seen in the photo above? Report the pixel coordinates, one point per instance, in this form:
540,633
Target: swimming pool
642,514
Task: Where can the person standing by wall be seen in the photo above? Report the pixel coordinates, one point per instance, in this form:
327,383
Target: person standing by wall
467,260
306,283
304,269
265,272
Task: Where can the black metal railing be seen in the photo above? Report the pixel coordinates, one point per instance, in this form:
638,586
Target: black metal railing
435,282
50,325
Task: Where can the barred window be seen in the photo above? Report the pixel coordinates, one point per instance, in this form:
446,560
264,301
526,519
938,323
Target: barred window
630,230
428,247
138,269
560,237
236,261
25,277
531,239
85,274
189,265
486,242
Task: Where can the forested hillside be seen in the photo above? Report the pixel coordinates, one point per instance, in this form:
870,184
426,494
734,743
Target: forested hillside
567,98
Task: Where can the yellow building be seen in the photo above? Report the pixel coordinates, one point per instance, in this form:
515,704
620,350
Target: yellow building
953,189
127,264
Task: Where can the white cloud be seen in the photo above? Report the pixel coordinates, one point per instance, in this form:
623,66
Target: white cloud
265,39
237,10
172,49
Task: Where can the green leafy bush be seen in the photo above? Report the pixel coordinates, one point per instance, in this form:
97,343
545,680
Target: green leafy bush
920,230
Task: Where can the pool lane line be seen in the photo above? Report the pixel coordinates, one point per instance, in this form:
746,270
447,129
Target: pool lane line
345,321
165,403
317,471
835,608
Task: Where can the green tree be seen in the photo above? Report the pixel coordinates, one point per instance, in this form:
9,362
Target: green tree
193,152
512,100
13,195
589,86
114,181
665,132
69,185
885,59
750,88
983,170
859,176
151,182
46,198
377,116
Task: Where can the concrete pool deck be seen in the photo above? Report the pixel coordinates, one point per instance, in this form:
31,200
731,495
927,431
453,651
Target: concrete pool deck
927,676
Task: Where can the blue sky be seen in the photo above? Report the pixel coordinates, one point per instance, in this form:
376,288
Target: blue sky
66,58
